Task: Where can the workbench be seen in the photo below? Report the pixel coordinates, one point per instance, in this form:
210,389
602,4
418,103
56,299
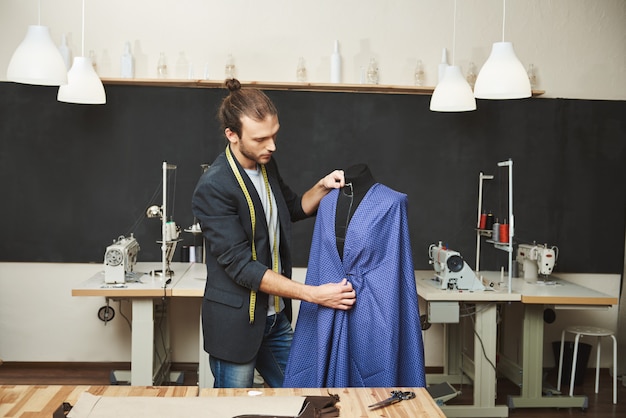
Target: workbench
479,369
458,365
40,400
535,296
148,295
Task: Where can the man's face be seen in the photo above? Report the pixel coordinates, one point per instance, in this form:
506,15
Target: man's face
257,142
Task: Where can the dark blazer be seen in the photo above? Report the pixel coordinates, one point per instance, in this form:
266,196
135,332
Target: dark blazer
220,206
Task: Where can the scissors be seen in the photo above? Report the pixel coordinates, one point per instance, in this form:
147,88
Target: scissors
396,396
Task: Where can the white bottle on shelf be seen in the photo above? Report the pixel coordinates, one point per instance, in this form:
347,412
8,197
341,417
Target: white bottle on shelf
372,72
301,70
471,75
66,52
127,63
162,66
230,71
335,65
94,61
443,65
419,75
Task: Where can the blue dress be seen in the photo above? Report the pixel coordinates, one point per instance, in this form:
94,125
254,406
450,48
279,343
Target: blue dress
378,343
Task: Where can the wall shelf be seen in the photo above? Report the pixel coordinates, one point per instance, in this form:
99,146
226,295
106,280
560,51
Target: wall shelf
294,86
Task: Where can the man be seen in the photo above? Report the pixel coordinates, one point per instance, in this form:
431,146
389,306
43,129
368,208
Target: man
245,211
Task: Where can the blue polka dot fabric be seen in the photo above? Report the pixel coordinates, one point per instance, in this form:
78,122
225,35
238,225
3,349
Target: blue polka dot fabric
378,343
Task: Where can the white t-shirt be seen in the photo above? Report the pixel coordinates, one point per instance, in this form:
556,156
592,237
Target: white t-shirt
272,223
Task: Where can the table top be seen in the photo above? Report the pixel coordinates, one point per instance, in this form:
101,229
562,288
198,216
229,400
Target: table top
192,283
27,401
38,400
147,284
428,290
557,291
552,291
353,402
190,278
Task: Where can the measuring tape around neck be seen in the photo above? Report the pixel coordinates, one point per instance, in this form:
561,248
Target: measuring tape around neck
244,189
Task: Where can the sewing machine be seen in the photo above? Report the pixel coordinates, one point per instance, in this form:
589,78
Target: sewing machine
120,258
535,260
451,270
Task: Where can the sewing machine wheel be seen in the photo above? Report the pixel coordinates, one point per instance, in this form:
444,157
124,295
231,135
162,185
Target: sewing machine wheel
455,263
106,313
114,257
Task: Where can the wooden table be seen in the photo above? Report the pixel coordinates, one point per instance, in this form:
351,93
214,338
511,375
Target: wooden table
353,402
26,401
29,401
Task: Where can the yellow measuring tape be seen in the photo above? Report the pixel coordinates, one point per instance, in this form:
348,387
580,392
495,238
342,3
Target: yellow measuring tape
242,185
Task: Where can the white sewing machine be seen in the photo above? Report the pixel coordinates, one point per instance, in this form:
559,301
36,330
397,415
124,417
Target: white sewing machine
535,260
120,258
451,270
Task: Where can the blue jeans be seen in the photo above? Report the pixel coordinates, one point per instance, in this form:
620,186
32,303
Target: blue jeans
270,360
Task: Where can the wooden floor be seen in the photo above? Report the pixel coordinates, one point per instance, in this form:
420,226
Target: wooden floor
600,405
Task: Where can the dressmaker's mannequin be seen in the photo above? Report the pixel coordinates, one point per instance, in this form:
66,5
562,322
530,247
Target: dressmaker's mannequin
359,179
334,348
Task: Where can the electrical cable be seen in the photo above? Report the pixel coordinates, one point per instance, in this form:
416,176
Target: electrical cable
143,213
161,377
119,305
469,312
482,345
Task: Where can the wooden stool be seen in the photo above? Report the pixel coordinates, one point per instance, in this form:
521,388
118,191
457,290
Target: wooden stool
580,331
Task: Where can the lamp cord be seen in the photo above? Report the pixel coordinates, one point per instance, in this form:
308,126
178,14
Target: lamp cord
39,13
83,32
454,34
503,17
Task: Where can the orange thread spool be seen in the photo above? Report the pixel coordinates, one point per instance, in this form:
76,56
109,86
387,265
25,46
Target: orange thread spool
504,232
483,221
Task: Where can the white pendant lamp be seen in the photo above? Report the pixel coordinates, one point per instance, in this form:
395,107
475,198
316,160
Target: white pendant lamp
502,76
453,93
37,59
83,84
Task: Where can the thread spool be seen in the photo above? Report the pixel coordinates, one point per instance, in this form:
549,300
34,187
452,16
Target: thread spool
495,235
489,223
184,254
482,224
504,232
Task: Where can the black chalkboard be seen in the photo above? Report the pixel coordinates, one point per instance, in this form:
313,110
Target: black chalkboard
75,177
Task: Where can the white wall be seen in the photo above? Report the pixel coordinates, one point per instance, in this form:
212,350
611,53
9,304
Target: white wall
577,46
41,321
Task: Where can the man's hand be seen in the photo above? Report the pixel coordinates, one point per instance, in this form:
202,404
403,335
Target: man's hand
334,180
335,295
311,199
